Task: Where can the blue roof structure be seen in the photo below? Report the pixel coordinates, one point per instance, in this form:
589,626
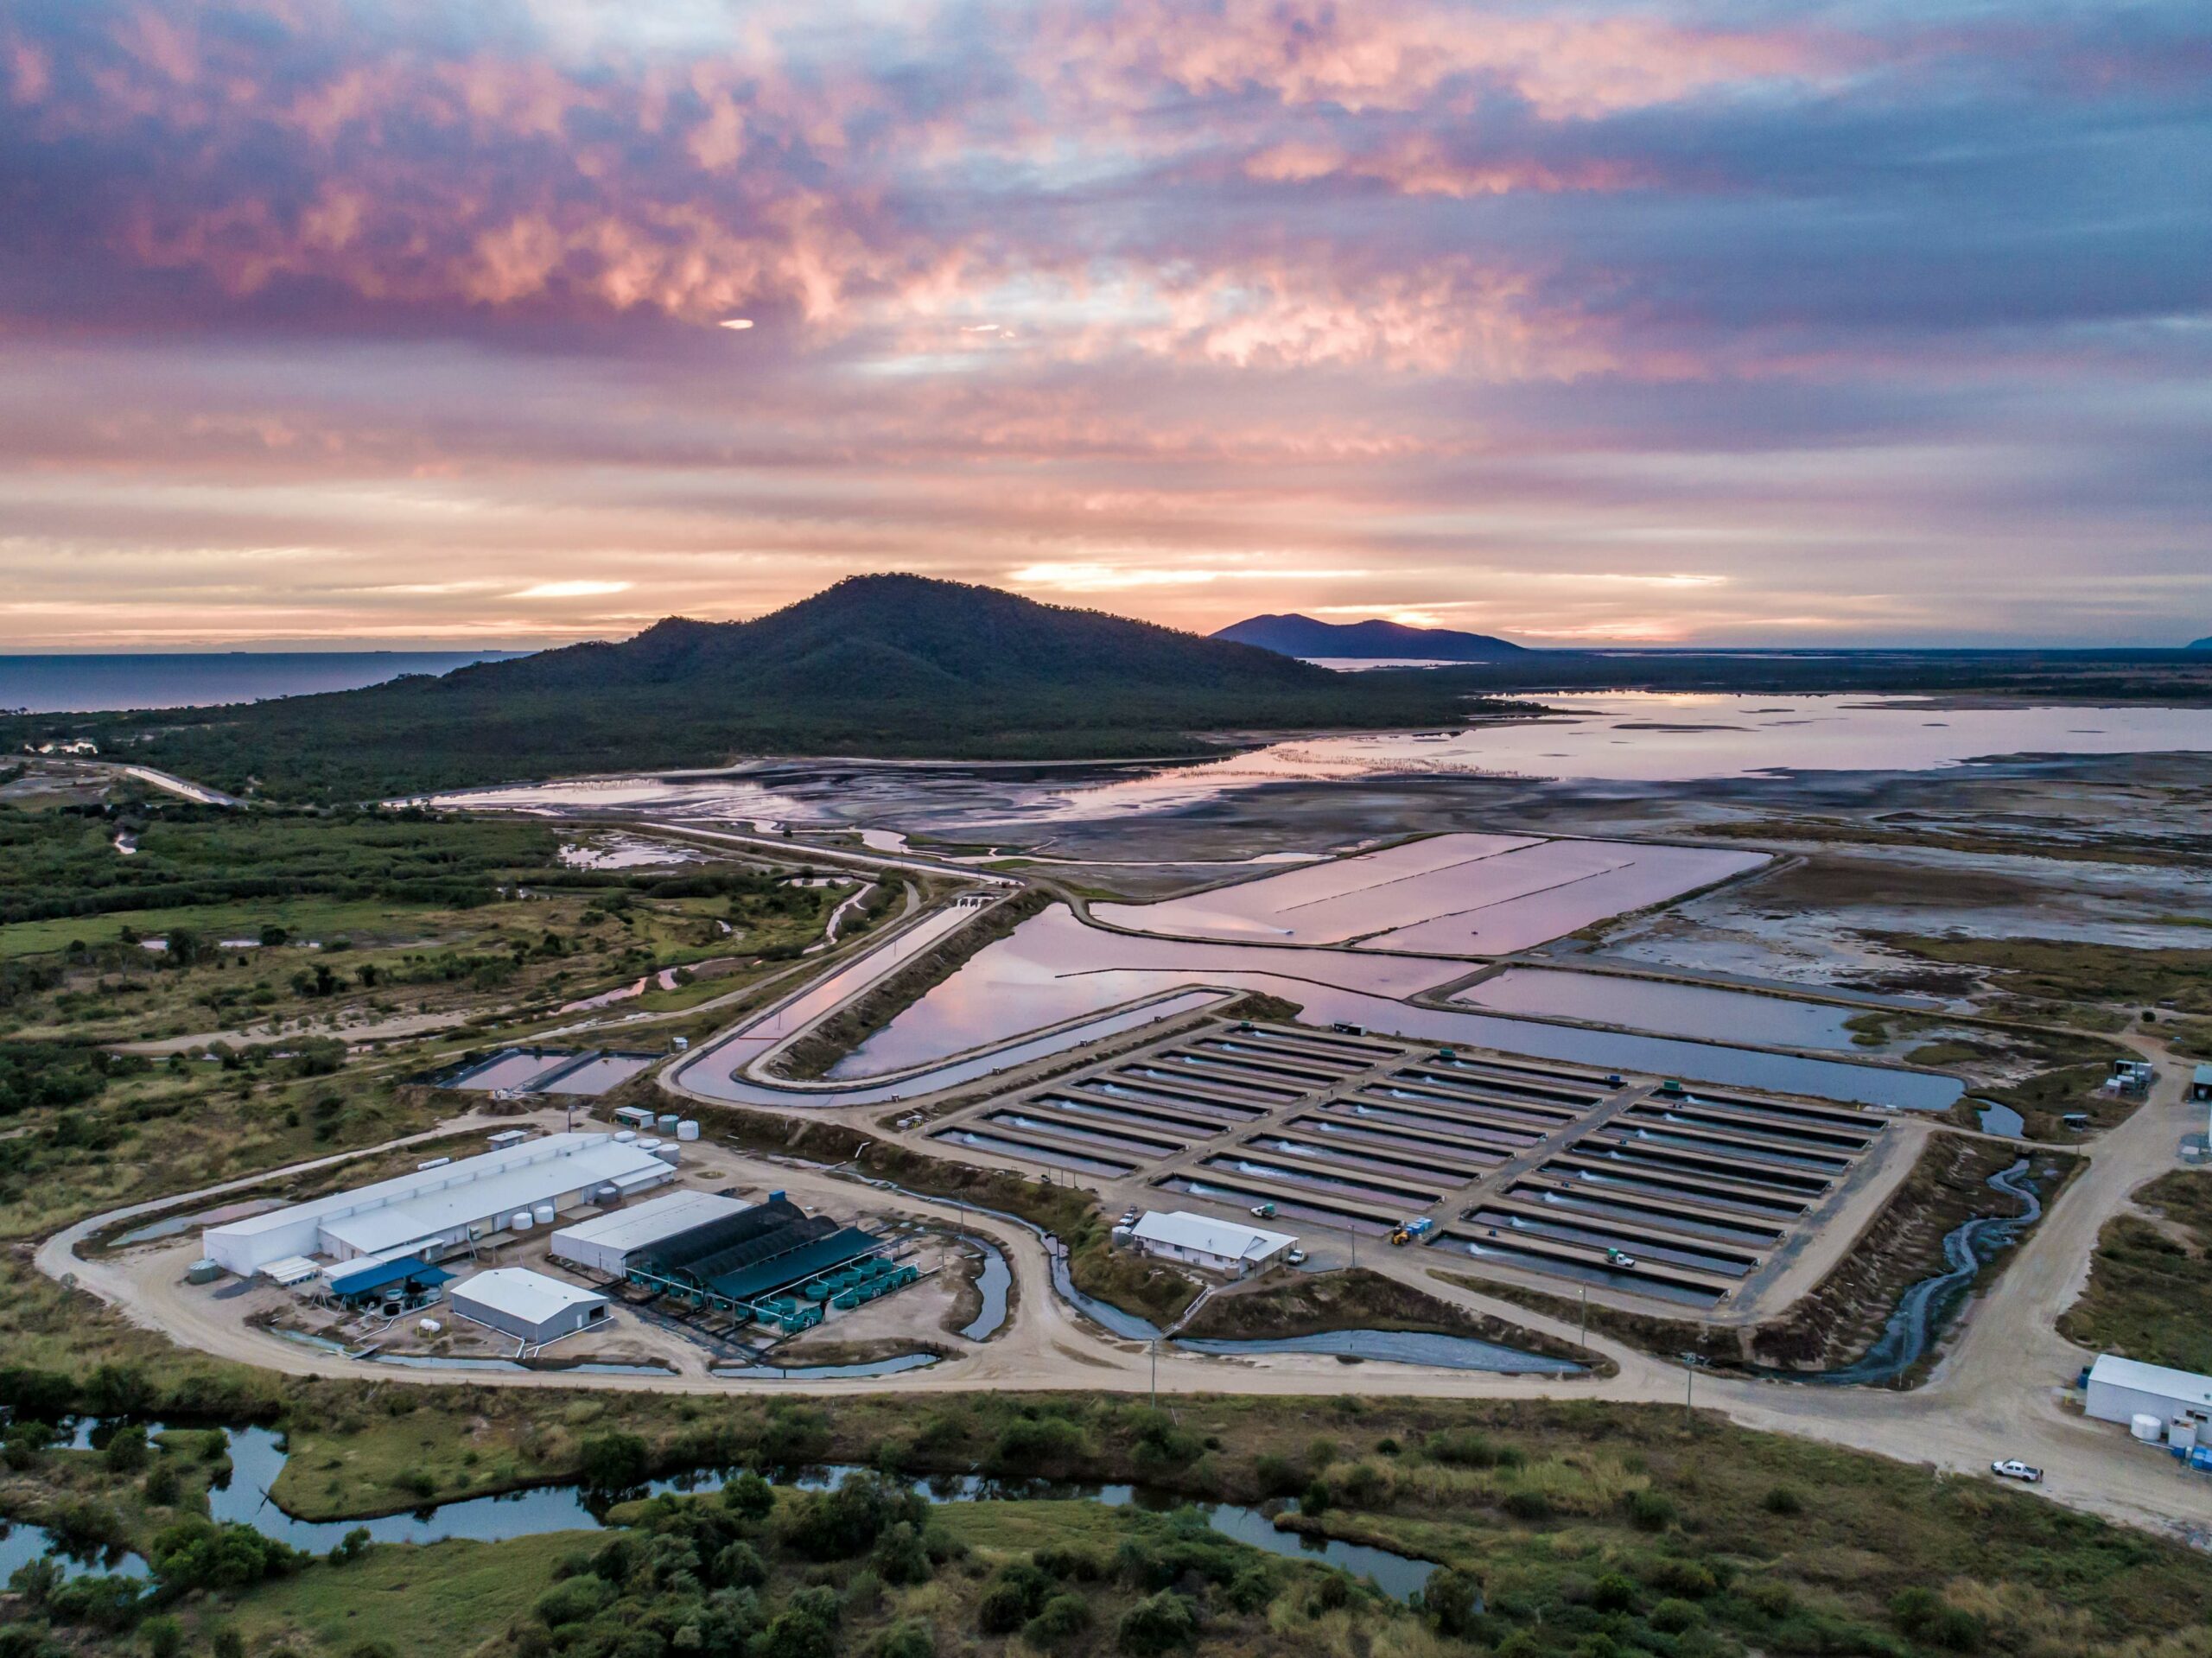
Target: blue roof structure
367,1279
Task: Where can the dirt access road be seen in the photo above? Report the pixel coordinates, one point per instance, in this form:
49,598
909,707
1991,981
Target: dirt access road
1997,1394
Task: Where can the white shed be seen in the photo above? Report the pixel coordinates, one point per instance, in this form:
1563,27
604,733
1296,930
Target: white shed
605,1243
2121,1389
1228,1247
528,1306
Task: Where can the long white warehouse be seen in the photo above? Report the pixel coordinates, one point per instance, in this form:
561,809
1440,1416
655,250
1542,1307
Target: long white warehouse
604,1243
434,1209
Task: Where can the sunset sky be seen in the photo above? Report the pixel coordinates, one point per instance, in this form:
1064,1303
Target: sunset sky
1870,323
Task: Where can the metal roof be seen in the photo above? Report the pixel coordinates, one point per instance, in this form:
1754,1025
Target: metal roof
521,1293
2186,1386
1231,1240
364,1279
795,1266
664,1218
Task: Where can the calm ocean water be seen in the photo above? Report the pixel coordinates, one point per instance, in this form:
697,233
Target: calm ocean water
82,684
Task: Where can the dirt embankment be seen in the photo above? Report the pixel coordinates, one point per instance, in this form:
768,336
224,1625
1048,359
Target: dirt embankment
1310,1303
813,1054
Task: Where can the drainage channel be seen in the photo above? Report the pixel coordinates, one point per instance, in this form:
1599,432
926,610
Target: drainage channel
1530,1255
1030,1153
1470,1077
1678,1218
1604,1169
1138,1116
1695,1139
1323,1068
1180,1098
1546,1117
1287,1206
1359,1157
1354,1134
1297,1075
1395,1196
1642,1150
1368,1052
1225,1091
1507,1138
1144,1148
1641,1244
1258,1079
1740,1123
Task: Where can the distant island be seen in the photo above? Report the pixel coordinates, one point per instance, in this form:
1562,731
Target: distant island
2204,644
900,666
1369,641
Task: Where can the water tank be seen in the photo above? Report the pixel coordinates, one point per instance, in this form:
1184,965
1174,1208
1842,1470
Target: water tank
668,1153
667,1124
203,1271
647,1143
688,1129
429,1326
543,1213
624,1136
2147,1427
519,1221
608,1195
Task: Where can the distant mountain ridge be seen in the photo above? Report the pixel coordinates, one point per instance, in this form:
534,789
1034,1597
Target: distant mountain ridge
888,665
2204,644
1294,635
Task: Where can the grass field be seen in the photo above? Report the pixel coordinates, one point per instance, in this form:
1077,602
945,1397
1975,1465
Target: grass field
2150,1291
440,1601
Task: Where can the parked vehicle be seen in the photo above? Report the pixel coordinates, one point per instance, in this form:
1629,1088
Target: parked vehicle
2013,1468
1619,1258
1263,1211
1296,1257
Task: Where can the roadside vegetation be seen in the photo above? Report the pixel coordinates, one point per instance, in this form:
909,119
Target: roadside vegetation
2150,1291
2051,980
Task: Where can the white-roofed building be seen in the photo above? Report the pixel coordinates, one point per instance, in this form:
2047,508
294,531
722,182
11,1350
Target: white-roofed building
604,1243
436,1208
1228,1247
2121,1389
527,1305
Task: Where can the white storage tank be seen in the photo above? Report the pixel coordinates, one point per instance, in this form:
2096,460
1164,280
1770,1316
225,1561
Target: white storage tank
624,1136
606,1195
668,1154
519,1221
543,1213
687,1129
647,1143
2148,1428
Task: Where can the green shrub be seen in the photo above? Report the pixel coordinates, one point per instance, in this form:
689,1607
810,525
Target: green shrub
1781,1500
1672,1616
1614,1592
1528,1505
1157,1625
1651,1510
910,1638
614,1461
573,1600
1061,1618
1451,1601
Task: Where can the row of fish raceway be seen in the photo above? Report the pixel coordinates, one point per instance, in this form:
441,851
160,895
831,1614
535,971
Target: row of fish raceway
1636,1185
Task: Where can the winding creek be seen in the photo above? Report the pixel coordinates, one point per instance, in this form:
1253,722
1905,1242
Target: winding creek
258,1456
1918,1321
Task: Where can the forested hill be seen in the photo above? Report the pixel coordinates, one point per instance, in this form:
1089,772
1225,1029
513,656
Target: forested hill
891,665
